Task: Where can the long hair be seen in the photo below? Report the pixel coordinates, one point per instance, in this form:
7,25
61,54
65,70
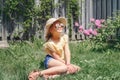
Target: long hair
48,36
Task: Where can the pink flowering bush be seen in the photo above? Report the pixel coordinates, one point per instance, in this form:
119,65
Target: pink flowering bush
101,30
93,29
106,30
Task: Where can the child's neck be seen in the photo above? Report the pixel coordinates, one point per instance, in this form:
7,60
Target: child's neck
56,38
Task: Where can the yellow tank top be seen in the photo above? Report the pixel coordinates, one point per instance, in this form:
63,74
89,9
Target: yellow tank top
50,46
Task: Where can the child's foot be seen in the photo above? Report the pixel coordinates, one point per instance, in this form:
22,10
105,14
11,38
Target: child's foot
34,75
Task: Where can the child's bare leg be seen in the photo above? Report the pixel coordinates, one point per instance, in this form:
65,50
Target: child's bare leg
55,68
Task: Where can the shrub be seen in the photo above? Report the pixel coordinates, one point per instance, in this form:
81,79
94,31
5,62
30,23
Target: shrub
103,31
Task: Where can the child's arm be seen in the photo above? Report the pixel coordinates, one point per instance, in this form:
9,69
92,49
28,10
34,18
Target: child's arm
67,54
70,67
55,56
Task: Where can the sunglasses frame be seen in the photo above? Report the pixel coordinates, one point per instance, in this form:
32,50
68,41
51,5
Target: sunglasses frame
59,25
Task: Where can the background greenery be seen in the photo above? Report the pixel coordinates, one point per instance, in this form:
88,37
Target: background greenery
33,17
97,64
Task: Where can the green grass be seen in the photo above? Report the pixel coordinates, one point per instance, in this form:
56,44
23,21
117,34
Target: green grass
97,64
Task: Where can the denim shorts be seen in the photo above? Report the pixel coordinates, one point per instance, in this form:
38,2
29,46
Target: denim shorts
46,61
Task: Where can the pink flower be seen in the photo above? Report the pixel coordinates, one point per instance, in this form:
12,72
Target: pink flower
99,26
98,23
92,19
94,32
76,24
86,32
81,28
90,30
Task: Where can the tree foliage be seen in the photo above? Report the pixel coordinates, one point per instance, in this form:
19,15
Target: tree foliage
33,14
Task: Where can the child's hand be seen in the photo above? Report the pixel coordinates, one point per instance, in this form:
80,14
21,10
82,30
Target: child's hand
71,69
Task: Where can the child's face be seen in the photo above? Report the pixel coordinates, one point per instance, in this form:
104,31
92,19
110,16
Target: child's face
57,27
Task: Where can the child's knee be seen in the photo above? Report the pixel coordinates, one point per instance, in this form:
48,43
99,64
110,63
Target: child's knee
64,68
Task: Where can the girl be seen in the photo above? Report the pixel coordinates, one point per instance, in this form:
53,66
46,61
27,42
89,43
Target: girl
57,60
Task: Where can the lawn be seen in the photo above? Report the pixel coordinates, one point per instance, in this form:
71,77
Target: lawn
96,64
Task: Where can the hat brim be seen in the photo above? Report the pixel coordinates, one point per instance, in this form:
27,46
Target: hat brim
61,19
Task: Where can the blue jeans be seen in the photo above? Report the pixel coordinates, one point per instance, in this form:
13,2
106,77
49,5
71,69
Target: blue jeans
46,61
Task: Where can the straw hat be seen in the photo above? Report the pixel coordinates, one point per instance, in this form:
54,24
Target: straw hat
51,21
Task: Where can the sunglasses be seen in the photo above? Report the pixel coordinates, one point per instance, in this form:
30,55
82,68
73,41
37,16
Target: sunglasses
59,25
